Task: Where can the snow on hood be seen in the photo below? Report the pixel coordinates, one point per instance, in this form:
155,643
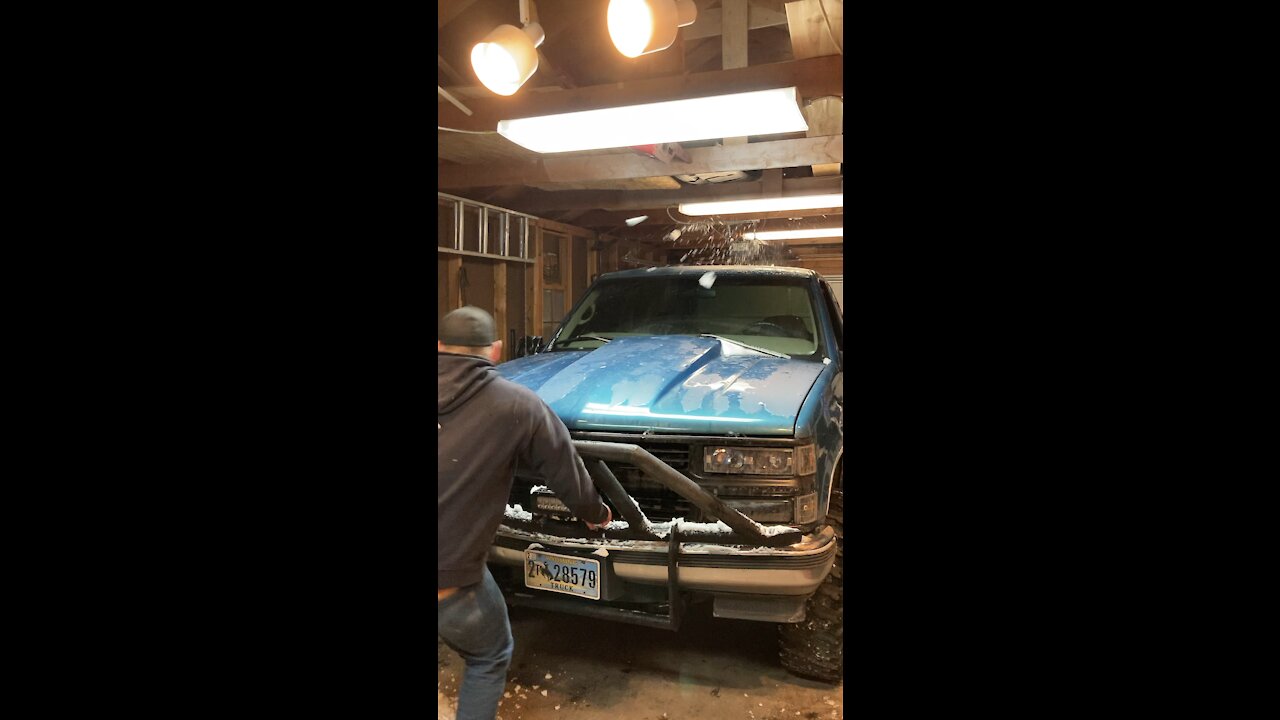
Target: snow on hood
670,384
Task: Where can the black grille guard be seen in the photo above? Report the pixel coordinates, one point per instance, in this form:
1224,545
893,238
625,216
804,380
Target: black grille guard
745,530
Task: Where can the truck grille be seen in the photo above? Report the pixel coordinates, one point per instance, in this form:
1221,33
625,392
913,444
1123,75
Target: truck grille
658,503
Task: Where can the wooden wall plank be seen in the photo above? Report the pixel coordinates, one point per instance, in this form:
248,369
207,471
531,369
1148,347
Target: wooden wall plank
453,270
500,306
533,286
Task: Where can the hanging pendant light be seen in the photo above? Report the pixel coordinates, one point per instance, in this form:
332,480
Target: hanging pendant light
640,27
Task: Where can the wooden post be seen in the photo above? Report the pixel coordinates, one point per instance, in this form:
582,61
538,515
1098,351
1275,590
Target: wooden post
534,301
593,260
453,271
733,43
500,306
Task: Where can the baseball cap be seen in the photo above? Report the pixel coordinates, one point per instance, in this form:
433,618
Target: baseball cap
468,326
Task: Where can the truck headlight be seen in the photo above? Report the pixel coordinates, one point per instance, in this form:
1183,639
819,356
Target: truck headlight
748,461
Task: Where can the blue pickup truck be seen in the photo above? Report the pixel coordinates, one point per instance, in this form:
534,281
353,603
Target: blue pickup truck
707,402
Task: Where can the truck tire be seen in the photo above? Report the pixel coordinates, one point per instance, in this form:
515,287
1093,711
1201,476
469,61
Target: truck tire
814,647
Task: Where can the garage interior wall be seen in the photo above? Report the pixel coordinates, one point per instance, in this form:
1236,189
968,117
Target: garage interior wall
529,295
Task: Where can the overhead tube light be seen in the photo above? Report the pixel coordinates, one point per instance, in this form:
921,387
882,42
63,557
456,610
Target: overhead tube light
640,27
760,112
763,205
794,234
508,56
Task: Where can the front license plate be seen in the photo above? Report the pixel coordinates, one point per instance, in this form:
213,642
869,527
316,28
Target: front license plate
562,573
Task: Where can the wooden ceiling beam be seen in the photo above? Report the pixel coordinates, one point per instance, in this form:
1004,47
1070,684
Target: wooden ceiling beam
810,22
453,75
753,156
559,72
733,43
709,21
814,77
659,223
542,201
825,116
447,10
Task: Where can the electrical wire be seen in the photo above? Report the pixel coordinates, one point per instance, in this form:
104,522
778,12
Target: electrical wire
469,132
675,220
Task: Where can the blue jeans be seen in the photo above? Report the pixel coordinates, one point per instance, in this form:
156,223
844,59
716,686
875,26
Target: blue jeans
473,621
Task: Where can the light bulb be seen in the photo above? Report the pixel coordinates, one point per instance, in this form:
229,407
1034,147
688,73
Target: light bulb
640,27
630,26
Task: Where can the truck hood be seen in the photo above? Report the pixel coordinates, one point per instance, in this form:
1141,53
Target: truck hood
669,384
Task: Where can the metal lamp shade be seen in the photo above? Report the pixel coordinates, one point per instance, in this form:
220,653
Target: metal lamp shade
506,58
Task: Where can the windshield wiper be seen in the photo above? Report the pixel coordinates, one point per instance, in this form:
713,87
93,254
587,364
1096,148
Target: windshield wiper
749,347
576,338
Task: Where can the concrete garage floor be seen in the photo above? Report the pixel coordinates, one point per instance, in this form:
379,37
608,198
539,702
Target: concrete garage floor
712,668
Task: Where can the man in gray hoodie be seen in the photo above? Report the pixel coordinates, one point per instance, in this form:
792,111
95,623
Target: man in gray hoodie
485,425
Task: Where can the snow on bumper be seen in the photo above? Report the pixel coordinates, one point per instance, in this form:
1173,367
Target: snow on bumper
796,569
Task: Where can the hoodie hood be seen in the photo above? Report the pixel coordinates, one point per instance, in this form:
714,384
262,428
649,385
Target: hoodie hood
669,383
460,377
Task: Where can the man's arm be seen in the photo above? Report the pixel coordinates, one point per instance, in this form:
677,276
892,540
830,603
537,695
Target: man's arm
551,455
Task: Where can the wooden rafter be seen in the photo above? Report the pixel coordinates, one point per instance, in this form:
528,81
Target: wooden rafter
453,75
559,72
825,116
754,156
708,22
814,77
614,220
538,201
447,10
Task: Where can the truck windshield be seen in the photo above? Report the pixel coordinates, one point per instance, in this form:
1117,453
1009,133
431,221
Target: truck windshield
773,313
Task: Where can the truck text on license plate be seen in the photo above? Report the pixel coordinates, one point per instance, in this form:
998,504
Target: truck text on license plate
562,573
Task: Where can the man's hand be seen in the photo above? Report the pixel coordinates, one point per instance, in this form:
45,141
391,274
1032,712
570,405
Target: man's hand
608,519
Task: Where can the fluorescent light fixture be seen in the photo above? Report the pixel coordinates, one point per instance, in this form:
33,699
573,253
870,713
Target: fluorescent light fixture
640,27
794,234
763,205
760,112
632,222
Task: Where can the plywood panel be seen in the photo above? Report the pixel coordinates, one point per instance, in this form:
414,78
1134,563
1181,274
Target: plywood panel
451,280
478,290
515,327
500,306
442,287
